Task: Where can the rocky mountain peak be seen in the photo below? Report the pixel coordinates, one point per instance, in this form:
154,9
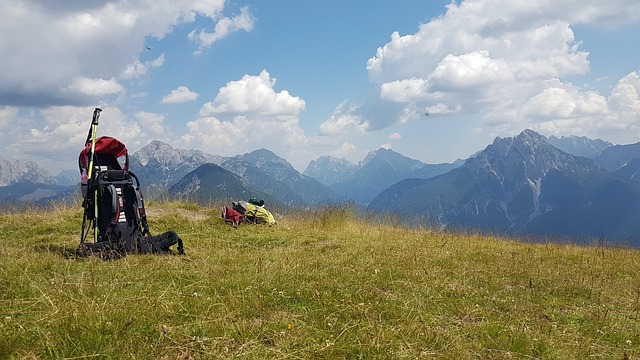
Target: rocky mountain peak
261,157
168,157
531,139
526,157
329,169
379,154
391,157
20,171
160,151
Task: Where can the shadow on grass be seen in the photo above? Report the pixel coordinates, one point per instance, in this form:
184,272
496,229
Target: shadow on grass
62,251
75,254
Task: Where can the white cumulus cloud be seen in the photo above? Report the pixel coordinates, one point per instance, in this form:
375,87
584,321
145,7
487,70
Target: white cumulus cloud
344,150
253,96
140,69
180,95
225,26
77,52
152,124
93,87
8,115
345,119
395,136
505,62
247,114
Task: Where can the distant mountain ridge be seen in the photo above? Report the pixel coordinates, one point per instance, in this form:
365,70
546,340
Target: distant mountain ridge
26,192
580,145
158,165
210,182
260,182
23,171
330,170
617,157
25,182
168,157
522,186
309,190
377,171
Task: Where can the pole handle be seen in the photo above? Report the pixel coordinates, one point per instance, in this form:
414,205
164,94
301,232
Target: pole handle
96,115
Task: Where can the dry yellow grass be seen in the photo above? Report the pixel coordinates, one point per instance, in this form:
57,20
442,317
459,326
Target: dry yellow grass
317,285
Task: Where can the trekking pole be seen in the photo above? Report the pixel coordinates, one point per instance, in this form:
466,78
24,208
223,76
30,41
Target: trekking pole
90,175
93,130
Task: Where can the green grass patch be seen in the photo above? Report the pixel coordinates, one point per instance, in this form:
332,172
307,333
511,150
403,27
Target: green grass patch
323,284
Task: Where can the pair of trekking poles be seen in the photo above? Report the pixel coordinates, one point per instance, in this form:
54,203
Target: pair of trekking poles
87,180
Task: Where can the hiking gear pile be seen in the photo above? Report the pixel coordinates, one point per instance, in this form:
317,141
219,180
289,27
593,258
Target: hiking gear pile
113,205
252,212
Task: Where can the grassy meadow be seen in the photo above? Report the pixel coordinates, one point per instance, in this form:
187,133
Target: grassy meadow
322,285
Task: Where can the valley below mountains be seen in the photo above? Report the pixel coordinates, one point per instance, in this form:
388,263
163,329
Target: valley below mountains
536,188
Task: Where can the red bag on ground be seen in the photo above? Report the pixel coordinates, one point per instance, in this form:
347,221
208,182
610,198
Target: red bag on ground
231,216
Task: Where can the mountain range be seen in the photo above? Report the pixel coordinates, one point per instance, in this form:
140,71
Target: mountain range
262,174
523,186
158,165
25,182
528,185
580,145
380,169
23,171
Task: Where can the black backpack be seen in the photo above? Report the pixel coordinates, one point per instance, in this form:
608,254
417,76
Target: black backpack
113,205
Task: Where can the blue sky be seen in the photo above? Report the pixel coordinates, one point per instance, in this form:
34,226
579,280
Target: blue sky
433,80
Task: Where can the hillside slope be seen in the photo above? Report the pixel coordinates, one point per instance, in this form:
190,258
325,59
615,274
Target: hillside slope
211,183
320,285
